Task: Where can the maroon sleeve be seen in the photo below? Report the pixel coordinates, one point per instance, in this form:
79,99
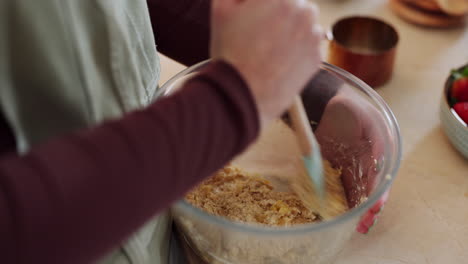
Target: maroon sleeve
74,198
182,28
7,139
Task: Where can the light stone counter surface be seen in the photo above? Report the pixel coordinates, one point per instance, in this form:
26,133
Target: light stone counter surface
426,218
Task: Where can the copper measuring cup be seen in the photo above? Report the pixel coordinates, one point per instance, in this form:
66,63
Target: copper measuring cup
365,47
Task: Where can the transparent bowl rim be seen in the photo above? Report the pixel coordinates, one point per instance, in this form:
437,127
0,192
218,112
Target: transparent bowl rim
390,167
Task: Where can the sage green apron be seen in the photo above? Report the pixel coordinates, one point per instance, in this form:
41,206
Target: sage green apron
70,64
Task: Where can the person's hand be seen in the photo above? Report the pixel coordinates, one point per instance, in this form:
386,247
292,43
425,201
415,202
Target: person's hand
351,133
273,44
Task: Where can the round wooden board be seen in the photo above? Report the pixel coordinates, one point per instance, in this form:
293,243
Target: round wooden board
420,17
430,5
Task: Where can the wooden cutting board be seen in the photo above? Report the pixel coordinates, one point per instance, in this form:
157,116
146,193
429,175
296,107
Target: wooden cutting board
429,17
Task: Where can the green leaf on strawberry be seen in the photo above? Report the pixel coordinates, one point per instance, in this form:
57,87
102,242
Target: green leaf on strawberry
464,72
455,74
459,73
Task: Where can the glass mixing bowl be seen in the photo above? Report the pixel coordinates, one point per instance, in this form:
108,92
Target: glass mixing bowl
369,171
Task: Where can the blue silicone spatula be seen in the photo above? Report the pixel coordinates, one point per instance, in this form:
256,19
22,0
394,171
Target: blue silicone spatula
310,149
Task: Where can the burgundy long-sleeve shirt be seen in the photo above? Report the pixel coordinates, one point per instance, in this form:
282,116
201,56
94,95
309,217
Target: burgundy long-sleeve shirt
123,172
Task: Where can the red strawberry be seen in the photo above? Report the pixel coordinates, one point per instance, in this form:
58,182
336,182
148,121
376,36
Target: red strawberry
460,89
462,111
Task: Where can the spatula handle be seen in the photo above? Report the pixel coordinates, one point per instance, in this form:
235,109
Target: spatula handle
301,125
309,146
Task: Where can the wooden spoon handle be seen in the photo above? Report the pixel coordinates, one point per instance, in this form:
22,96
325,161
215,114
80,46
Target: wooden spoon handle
301,125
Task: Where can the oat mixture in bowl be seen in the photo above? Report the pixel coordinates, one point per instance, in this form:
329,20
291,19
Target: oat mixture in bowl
258,189
266,223
234,194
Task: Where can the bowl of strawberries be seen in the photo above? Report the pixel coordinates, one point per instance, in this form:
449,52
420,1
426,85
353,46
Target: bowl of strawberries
454,109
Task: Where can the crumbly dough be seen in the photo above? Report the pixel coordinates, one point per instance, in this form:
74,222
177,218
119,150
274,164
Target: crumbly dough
233,194
238,196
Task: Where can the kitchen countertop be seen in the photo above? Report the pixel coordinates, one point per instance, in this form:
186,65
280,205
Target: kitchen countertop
426,218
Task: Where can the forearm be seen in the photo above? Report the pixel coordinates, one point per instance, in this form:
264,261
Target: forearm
72,199
182,28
